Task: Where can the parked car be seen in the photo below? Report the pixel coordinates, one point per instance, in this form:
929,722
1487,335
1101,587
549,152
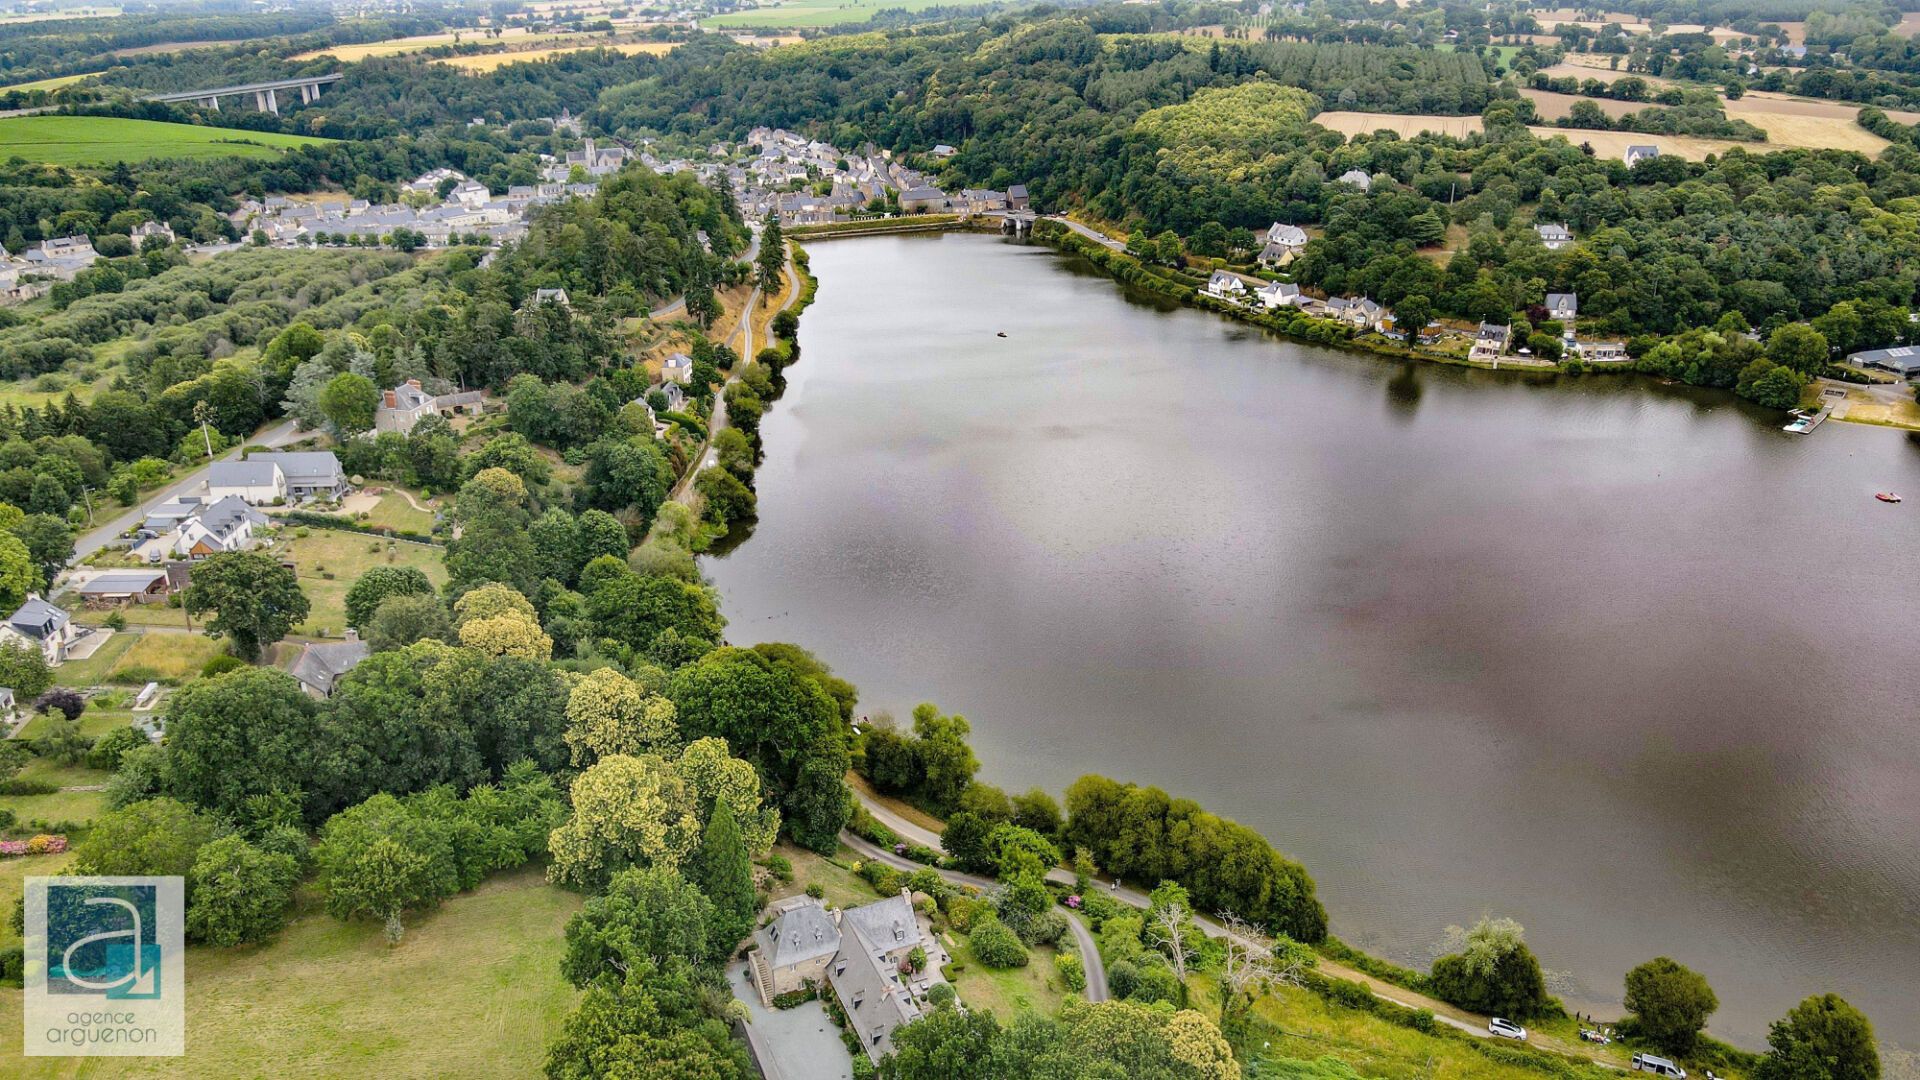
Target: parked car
1506,1029
1658,1066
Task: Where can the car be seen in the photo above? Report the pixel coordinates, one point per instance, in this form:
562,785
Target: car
1658,1066
1506,1029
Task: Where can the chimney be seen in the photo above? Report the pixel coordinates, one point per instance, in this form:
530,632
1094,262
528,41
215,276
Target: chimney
392,399
415,383
352,634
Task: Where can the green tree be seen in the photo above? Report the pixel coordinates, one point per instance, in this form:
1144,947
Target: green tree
723,871
246,733
653,1025
48,541
348,402
1822,1038
1492,971
240,892
995,946
1799,347
24,669
627,812
945,757
159,837
255,601
378,859
1671,1003
378,584
648,915
19,575
400,621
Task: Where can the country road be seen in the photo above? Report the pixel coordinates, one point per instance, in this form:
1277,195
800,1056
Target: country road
1443,1013
100,536
683,491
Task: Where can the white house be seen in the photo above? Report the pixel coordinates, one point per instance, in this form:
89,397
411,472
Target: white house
1224,286
1279,294
40,625
1489,341
1554,236
1637,154
217,528
1563,307
255,480
678,368
553,296
1356,178
1282,242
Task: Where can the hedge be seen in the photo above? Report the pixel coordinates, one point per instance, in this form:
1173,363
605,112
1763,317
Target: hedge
333,521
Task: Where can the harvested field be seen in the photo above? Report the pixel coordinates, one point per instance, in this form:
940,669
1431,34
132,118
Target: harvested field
1591,66
1810,124
1613,144
1552,106
491,61
1765,101
1362,123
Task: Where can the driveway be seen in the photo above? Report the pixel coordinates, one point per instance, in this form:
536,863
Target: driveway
93,540
800,1043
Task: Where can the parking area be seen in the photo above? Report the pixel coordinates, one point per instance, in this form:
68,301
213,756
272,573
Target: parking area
800,1043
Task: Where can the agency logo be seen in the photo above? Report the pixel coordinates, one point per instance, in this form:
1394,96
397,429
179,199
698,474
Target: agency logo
105,966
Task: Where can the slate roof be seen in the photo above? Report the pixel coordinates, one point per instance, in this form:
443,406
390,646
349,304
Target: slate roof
304,464
321,665
802,932
37,619
254,472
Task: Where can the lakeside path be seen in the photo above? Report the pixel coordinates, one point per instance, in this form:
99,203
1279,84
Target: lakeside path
1444,1013
717,419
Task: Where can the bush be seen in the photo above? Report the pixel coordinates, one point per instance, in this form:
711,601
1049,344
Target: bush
13,965
1071,972
106,751
781,867
996,946
220,665
815,890
794,998
940,995
17,786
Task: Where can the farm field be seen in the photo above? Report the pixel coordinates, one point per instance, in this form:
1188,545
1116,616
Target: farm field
1592,66
1815,125
54,83
491,61
1361,123
91,11
514,36
815,13
474,989
1613,144
102,140
1552,106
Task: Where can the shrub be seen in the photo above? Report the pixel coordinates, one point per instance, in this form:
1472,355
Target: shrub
996,946
220,665
13,965
1492,972
794,998
940,995
17,786
815,890
1071,973
106,751
781,866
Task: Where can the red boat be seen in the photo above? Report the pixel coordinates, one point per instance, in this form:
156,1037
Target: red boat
1886,496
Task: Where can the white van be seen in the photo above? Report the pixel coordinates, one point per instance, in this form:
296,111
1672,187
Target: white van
1658,1066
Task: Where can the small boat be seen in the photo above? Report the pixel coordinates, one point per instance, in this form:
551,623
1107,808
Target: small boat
1002,333
1886,496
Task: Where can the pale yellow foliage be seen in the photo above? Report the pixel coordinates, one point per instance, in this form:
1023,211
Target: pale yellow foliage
716,776
627,811
491,600
1196,1043
507,635
500,483
608,714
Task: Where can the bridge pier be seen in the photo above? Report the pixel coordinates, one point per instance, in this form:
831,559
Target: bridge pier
213,104
309,93
265,101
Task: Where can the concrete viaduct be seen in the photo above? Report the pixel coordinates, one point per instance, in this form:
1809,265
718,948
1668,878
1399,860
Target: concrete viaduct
265,95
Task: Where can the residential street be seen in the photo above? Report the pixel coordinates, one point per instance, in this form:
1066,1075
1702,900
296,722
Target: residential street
89,542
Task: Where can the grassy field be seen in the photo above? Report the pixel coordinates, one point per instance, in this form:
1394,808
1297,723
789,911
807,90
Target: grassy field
100,140
389,510
1034,988
473,990
842,887
1365,123
329,561
815,13
93,670
514,36
491,61
164,658
94,723
54,83
80,806
13,875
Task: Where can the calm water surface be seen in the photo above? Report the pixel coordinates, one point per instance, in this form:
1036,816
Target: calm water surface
1625,663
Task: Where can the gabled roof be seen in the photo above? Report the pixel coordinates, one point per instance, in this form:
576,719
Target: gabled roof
121,582
323,664
254,472
36,618
803,931
1563,299
303,464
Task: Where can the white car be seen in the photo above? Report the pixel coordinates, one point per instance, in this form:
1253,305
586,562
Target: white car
1506,1029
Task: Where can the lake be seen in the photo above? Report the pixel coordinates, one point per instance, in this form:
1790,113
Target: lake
1622,661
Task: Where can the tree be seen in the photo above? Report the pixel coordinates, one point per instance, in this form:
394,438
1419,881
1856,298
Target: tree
111,747
608,714
1799,347
400,621
723,871
773,253
18,573
64,700
507,635
945,757
246,733
254,600
48,541
1411,315
63,742
1491,971
377,859
647,916
24,669
627,812
1249,970
377,585
239,892
652,1025
1170,926
157,837
402,722
1671,1003
348,402
1822,1038
995,946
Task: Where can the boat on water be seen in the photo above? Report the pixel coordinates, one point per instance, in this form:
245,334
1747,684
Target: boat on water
1002,333
1886,496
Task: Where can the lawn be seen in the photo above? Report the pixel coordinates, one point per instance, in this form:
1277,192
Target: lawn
1034,988
93,670
13,875
391,510
170,658
74,806
473,990
841,886
94,723
815,13
99,140
329,561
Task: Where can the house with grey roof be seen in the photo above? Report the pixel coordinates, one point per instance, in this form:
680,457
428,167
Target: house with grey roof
860,954
1563,306
678,368
1553,236
1637,154
255,480
402,407
216,528
1224,286
122,588
310,474
1903,360
40,625
1356,178
1279,294
322,663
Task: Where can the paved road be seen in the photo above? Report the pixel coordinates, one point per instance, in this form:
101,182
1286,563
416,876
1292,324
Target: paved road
278,435
1453,1018
1097,237
683,492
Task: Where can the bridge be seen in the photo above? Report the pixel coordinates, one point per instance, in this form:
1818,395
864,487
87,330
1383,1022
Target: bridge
266,95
